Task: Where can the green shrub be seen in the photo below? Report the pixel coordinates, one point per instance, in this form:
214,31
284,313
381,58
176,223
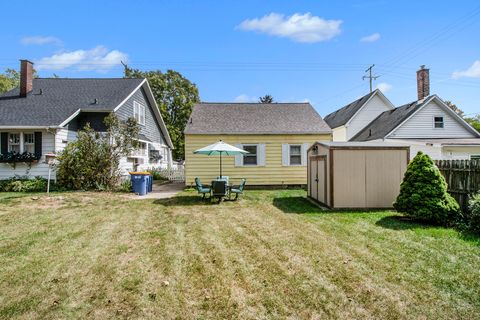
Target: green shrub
474,217
125,186
92,161
24,184
423,193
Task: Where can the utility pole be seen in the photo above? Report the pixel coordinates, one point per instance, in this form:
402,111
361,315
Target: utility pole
370,77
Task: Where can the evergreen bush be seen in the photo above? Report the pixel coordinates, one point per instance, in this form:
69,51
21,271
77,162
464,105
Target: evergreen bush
423,193
474,217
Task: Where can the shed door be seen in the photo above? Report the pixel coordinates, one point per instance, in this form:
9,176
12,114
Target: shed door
318,179
313,178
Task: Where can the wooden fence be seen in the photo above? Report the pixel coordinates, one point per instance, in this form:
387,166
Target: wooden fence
463,178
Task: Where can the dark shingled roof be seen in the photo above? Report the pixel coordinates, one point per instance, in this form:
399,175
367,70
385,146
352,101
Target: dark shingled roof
341,116
60,98
255,118
387,121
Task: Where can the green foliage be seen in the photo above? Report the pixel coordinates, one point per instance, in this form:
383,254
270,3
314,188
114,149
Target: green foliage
125,186
157,174
92,161
474,216
175,96
266,99
11,79
24,184
423,193
474,121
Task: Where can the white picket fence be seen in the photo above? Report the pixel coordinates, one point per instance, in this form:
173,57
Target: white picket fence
176,174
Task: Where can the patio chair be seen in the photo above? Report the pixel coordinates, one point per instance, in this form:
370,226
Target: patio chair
201,188
219,189
238,190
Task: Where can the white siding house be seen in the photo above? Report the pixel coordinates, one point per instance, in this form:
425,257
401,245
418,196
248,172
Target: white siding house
44,115
422,124
349,120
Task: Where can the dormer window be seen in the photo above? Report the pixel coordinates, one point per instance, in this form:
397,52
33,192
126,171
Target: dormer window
438,123
139,112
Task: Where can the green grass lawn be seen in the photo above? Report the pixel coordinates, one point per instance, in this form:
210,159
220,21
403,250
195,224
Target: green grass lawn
270,255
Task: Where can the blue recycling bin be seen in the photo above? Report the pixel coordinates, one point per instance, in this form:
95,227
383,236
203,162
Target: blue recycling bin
149,183
139,182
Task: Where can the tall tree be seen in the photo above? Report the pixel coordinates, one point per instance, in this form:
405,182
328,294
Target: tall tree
473,121
454,107
11,79
175,96
266,99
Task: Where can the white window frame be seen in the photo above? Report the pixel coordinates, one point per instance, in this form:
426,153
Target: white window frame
249,154
139,112
435,122
25,144
19,144
290,154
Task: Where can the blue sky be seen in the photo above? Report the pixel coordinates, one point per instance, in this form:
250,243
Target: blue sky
313,51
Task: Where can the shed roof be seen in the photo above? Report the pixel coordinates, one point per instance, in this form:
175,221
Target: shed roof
255,118
362,144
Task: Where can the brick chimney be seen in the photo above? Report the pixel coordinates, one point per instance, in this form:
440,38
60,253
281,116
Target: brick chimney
423,82
26,77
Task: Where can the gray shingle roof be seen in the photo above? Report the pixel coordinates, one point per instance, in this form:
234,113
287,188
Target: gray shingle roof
255,118
60,98
343,115
387,121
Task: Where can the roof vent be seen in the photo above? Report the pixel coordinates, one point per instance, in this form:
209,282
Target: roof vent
40,92
95,101
369,132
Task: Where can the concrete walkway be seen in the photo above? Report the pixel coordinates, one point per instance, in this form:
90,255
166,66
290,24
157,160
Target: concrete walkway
163,191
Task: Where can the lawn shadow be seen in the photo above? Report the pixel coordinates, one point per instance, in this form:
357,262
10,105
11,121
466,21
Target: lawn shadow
407,223
188,201
403,223
297,205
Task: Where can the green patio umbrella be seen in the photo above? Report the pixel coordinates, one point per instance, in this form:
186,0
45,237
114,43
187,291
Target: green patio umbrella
220,148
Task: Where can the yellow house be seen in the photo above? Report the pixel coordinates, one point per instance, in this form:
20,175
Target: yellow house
276,135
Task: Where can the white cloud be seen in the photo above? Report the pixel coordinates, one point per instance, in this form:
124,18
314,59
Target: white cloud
40,40
472,72
298,27
98,59
371,38
245,98
384,87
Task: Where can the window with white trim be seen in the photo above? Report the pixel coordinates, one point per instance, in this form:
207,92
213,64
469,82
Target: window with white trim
438,122
29,142
14,142
139,112
295,154
250,158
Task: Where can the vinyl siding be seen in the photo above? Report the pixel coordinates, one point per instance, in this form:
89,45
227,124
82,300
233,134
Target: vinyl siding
151,129
367,114
421,125
273,173
339,134
36,169
460,152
